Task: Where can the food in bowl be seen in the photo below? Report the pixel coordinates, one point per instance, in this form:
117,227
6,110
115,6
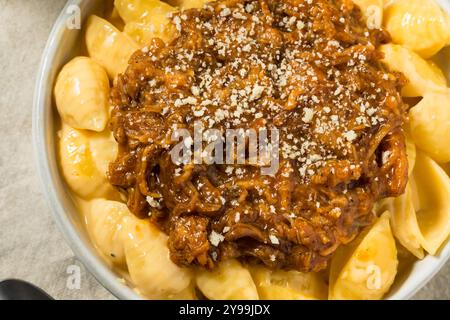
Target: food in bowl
342,120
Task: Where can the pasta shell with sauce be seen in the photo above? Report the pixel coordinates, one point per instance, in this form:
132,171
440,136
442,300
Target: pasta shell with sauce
84,157
372,10
404,222
288,285
430,186
430,125
421,216
403,216
82,94
420,25
228,281
149,263
108,46
423,76
146,19
365,269
144,32
142,10
104,224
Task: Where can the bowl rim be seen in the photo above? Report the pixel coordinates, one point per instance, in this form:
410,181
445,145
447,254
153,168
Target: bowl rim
96,266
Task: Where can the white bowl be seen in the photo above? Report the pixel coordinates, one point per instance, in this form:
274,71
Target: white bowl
60,48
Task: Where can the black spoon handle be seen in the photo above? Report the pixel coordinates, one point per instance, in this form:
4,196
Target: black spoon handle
21,290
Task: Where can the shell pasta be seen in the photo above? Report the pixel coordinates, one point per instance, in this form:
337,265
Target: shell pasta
229,281
430,195
84,156
364,264
419,25
82,94
429,122
420,217
126,241
105,221
423,76
366,268
108,46
145,20
289,285
146,255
